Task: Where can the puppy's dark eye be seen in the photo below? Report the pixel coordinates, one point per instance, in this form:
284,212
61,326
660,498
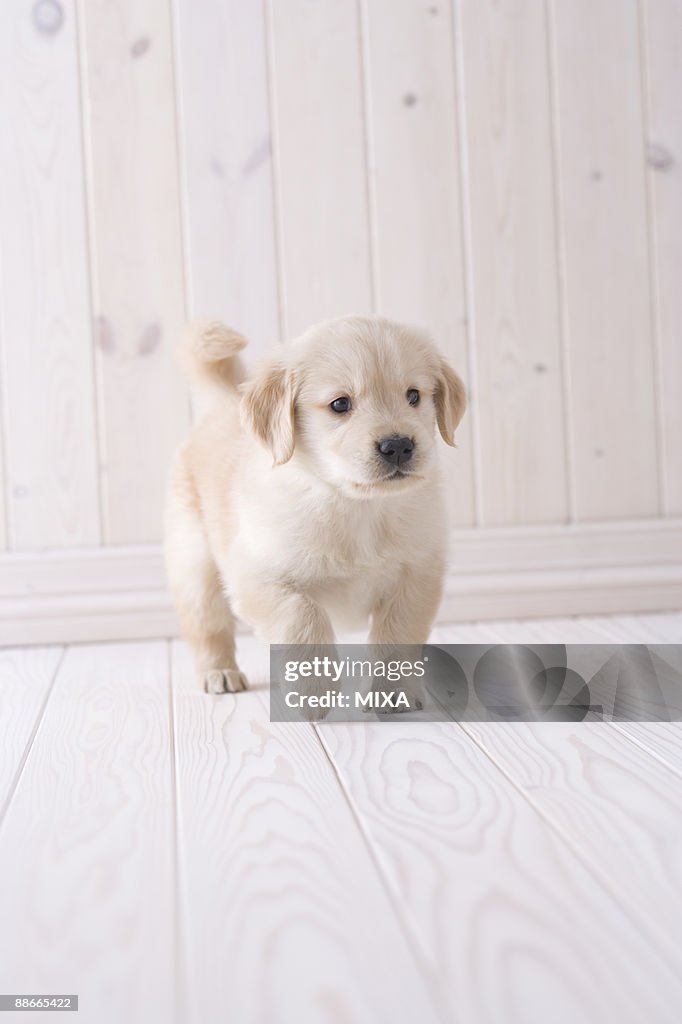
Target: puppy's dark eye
413,396
341,405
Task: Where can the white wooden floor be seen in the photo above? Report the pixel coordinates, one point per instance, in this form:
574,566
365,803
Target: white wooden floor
171,856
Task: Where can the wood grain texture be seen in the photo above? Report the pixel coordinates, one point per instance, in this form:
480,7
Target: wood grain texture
516,321
598,784
287,915
88,843
661,28
513,925
136,250
413,153
602,193
616,807
25,679
45,335
188,860
226,152
317,122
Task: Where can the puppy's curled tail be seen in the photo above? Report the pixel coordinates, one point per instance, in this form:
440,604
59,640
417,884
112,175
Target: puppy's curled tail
210,358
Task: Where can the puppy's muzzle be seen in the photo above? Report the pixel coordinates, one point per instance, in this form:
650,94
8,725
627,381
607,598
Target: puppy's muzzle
396,450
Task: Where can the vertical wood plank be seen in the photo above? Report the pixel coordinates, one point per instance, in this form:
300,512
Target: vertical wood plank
415,191
226,153
136,246
515,318
661,23
88,842
288,918
45,335
316,97
603,218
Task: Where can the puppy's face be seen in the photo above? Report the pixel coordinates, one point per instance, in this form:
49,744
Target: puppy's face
357,401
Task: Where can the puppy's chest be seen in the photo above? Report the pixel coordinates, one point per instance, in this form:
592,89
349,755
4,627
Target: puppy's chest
356,566
351,546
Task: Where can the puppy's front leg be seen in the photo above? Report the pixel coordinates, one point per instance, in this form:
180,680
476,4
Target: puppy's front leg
405,616
283,615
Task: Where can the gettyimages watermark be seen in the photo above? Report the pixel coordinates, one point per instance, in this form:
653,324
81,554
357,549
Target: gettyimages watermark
477,682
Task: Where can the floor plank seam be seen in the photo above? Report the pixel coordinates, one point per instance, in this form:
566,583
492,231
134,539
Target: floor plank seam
182,910
14,785
643,923
420,956
662,760
547,821
614,638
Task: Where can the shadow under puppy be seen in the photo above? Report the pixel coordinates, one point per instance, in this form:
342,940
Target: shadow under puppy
308,497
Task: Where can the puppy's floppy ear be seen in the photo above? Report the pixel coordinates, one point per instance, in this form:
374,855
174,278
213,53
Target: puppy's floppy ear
450,399
267,410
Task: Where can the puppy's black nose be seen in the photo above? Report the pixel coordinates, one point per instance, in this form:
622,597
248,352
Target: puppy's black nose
396,450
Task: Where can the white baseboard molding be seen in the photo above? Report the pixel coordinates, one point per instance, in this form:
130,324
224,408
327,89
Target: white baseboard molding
605,568
119,593
85,595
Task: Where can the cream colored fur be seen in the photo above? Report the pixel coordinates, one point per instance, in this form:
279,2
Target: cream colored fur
281,512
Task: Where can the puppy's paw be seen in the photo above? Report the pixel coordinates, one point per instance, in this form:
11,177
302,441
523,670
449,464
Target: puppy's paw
225,680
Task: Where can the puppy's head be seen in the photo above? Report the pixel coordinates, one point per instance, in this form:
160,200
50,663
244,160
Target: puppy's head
357,401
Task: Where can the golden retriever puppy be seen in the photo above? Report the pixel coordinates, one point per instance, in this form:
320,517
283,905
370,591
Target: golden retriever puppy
308,496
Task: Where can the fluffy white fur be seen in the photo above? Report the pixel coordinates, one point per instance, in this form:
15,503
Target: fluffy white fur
282,513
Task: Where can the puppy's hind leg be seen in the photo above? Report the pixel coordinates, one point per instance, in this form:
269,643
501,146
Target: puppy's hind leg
205,615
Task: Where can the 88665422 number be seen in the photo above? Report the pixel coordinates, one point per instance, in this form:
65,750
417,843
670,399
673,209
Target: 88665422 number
38,1002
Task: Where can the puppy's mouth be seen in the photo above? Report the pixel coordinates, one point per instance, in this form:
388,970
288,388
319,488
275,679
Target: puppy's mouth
397,474
395,477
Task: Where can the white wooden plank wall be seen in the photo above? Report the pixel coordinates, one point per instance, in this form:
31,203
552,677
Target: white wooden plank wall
224,123
514,264
415,191
661,33
49,434
136,255
603,217
316,103
507,175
